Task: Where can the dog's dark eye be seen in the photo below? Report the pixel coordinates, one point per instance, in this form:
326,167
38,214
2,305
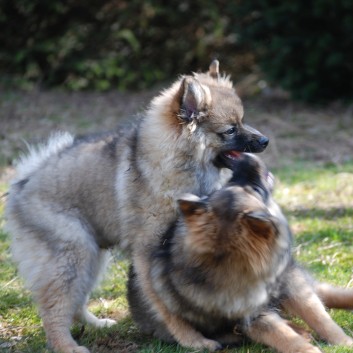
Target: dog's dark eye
262,192
258,190
230,131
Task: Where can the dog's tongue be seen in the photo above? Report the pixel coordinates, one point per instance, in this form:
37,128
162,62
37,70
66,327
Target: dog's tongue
233,154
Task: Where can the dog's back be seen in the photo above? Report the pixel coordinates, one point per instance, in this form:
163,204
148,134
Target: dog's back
64,179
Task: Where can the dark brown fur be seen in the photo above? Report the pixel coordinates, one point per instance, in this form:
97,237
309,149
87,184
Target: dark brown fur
226,267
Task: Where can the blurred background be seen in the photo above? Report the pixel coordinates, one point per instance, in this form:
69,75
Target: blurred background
304,47
86,65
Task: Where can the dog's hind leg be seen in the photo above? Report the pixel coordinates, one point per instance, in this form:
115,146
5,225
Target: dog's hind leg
65,293
335,297
66,298
61,291
83,314
60,261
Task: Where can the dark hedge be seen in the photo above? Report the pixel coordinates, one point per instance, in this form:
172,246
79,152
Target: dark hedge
104,44
303,46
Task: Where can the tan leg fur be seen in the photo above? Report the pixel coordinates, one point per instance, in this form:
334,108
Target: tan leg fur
304,302
270,329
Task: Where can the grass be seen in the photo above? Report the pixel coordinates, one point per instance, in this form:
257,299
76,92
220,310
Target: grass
318,203
316,199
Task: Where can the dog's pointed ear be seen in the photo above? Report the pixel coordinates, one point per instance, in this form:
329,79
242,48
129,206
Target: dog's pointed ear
190,204
213,70
260,222
193,97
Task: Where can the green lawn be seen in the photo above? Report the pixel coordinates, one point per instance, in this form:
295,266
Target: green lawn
319,204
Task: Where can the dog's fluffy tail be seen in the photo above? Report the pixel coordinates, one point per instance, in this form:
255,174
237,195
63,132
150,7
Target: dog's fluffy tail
37,155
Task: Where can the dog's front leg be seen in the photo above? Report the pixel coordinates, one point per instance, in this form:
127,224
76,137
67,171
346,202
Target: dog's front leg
182,331
270,329
313,312
303,301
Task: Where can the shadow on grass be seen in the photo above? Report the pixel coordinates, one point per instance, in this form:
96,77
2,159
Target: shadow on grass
320,213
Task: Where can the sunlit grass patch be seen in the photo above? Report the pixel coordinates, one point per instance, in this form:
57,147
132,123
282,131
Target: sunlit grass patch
304,186
319,204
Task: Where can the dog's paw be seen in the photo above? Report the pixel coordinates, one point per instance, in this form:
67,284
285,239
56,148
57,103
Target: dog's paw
307,348
343,340
80,349
206,343
348,342
67,347
311,350
105,323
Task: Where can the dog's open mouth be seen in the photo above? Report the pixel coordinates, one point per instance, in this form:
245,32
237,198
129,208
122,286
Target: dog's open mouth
227,159
234,155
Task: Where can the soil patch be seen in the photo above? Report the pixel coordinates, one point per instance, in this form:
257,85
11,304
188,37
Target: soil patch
296,131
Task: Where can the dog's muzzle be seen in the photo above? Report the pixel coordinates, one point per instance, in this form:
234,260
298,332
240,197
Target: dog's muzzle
263,142
256,144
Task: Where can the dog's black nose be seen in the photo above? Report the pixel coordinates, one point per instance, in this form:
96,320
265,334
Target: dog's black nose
263,141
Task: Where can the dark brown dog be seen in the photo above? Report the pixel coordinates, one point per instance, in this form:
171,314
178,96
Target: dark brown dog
226,267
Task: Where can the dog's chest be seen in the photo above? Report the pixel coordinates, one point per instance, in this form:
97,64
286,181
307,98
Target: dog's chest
213,179
236,303
232,303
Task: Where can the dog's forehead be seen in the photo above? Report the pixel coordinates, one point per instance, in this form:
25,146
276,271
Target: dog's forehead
226,103
233,200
